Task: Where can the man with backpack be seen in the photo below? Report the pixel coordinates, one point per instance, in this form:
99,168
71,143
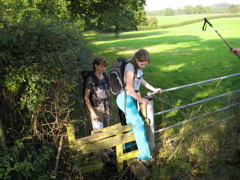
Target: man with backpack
97,98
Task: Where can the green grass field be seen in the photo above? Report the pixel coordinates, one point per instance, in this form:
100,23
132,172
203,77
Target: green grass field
170,20
180,56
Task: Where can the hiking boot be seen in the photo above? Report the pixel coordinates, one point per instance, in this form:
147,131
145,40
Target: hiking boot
234,160
111,154
146,162
105,158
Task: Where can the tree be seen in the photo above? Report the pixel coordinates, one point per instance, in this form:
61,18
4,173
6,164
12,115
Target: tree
208,10
122,18
188,10
220,7
155,13
233,9
169,12
199,9
179,11
121,14
17,10
153,22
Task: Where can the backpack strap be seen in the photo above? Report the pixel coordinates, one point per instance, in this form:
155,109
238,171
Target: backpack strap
107,86
106,77
135,69
95,79
125,93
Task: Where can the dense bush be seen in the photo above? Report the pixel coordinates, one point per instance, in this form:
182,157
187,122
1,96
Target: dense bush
40,79
23,161
153,22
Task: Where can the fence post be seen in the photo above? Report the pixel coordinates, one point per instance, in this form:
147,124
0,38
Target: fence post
71,134
151,128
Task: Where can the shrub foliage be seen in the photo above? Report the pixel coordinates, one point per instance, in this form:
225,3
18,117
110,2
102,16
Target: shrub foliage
40,78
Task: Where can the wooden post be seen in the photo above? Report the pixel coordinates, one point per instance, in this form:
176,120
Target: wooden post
143,111
71,134
151,128
119,153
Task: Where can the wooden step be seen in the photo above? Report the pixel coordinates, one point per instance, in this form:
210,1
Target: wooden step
139,170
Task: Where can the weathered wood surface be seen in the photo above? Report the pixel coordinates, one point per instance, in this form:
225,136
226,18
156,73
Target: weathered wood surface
112,136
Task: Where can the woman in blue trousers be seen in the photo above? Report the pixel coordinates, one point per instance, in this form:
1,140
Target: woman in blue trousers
126,103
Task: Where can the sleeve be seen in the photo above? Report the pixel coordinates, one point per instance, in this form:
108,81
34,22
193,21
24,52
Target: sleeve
89,83
129,67
137,79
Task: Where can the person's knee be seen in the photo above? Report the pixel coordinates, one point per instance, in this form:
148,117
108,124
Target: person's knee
138,124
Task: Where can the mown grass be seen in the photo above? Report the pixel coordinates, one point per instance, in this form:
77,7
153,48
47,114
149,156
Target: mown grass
174,21
179,56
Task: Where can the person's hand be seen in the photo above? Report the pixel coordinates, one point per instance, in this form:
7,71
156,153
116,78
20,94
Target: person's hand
159,90
235,51
94,117
143,100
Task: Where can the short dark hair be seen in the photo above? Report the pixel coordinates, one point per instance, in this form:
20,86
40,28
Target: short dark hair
99,61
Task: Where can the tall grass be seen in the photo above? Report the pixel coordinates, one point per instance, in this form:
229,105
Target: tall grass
179,56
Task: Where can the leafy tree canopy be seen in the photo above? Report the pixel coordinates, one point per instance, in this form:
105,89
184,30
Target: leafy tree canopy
120,14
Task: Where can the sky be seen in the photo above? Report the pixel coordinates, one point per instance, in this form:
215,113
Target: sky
153,5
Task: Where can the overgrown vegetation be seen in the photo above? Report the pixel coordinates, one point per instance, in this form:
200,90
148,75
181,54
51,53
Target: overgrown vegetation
25,161
41,59
41,62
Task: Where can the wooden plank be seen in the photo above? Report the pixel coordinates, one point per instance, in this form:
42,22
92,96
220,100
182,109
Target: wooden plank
105,143
129,155
143,113
115,126
103,135
139,170
92,167
122,157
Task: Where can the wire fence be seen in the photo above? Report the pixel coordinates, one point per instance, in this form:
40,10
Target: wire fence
218,100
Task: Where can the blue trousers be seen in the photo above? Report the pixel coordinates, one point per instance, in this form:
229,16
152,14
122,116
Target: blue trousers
133,117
